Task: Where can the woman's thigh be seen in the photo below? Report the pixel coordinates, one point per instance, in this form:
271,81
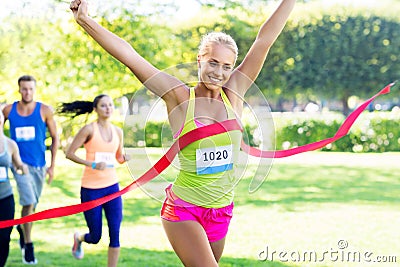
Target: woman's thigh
190,243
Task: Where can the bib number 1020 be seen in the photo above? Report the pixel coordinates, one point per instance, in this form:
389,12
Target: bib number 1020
214,159
215,155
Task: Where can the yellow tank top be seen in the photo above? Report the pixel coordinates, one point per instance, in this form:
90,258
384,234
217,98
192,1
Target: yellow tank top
98,150
206,176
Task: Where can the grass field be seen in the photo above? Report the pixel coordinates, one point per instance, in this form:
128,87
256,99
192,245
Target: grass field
314,209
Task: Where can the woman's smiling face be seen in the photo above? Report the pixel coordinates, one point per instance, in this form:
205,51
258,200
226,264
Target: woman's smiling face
216,65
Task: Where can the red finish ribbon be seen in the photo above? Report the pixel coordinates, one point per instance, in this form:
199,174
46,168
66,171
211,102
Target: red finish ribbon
343,130
192,136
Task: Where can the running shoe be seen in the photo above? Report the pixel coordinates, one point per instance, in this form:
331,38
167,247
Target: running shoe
77,250
28,254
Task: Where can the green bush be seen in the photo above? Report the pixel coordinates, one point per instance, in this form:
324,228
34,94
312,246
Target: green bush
372,132
155,134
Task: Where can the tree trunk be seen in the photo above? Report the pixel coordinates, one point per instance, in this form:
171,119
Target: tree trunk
345,109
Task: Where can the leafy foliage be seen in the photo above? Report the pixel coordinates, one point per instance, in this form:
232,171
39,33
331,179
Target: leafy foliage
328,55
373,132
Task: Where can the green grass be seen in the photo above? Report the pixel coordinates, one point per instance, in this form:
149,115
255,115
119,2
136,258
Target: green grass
308,203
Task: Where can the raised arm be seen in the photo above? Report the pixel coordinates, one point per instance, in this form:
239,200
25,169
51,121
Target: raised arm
250,67
160,82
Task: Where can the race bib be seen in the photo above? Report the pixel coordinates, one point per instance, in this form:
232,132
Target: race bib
24,134
107,157
214,159
3,174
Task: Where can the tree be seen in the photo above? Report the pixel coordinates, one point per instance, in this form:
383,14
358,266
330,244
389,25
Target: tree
333,54
340,56
324,54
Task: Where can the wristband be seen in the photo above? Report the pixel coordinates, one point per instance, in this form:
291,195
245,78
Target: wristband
93,165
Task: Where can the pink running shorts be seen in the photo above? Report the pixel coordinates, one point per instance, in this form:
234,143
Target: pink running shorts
215,221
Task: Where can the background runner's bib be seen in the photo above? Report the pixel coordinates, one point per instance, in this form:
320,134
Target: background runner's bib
25,133
107,157
3,174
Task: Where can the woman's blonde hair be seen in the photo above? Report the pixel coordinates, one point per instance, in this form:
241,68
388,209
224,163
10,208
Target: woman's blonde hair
218,38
